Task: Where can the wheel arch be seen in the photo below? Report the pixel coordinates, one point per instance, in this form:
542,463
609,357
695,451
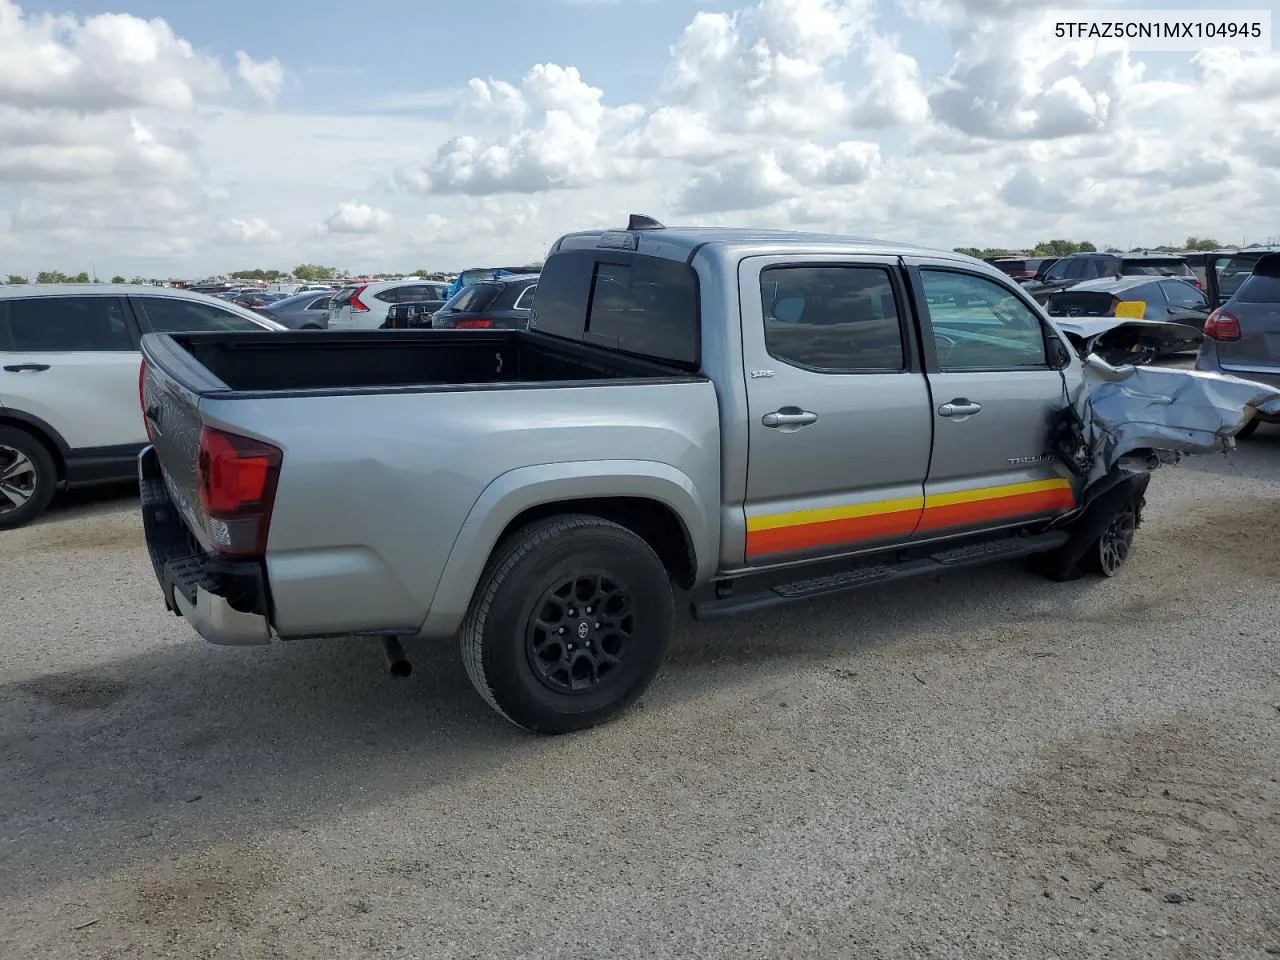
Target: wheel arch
49,437
657,502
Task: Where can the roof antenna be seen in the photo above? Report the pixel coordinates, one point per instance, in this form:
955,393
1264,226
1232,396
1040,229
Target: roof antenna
639,221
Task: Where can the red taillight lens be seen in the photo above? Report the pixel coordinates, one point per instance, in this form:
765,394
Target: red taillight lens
236,478
1199,285
1221,325
142,398
357,305
474,324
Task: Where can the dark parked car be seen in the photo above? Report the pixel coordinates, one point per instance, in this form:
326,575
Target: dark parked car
1019,268
1079,267
1242,337
1230,269
502,304
302,311
1162,317
415,314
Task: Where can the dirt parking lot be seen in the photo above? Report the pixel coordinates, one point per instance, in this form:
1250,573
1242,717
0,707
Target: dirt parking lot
980,766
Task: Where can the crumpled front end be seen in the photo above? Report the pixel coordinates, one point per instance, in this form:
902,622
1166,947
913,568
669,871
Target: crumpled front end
1132,410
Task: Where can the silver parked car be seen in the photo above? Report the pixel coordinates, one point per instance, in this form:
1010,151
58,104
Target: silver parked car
1242,337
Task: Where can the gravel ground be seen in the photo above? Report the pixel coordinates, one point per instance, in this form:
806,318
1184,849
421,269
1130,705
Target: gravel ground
983,765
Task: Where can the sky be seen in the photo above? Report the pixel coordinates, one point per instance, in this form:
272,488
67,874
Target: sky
167,138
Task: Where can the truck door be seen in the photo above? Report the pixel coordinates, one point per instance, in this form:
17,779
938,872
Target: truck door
995,395
839,420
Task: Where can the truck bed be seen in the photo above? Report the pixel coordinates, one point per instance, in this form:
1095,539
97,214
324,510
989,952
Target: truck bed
380,360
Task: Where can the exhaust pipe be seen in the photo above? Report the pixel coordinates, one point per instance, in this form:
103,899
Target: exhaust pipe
397,662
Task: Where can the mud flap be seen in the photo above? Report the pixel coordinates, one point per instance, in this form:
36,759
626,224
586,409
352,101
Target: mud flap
1105,498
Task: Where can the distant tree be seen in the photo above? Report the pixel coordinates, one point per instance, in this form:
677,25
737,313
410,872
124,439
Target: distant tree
14,278
980,253
1062,248
313,271
139,280
1113,250
118,279
1201,243
51,276
257,273
80,277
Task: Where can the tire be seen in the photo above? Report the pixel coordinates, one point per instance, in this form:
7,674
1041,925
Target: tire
1249,429
36,480
525,639
1107,554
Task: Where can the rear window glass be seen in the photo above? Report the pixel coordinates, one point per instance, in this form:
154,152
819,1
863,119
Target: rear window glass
1154,268
1232,272
631,302
1073,303
57,324
478,296
1263,285
342,297
1011,266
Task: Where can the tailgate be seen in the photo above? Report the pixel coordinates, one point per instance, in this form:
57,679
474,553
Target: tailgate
170,388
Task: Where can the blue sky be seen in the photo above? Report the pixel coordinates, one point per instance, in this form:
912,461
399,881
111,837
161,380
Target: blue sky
379,135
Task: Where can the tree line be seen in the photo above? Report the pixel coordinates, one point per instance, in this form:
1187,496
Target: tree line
1064,248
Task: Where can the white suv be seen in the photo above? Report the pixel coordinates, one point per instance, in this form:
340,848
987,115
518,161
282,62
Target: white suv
69,365
365,307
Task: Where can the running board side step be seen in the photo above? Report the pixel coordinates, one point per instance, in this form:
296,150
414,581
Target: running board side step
955,558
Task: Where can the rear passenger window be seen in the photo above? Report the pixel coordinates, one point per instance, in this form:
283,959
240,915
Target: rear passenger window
175,315
66,324
832,319
979,325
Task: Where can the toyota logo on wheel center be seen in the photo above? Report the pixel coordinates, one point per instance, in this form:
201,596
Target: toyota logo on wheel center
583,629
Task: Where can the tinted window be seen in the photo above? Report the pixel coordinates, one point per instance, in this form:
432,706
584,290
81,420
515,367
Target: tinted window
476,297
1263,285
1058,271
321,304
1078,268
170,315
56,324
835,319
1155,268
979,325
1011,266
646,305
1232,272
525,300
1182,294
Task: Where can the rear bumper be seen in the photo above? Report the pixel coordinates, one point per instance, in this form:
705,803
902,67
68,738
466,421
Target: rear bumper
225,602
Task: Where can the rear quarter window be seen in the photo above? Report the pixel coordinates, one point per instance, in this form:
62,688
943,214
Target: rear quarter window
1155,268
630,302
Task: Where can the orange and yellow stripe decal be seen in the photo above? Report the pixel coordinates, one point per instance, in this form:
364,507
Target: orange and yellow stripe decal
853,524
994,504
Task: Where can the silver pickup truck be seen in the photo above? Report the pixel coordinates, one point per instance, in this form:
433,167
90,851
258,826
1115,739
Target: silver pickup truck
749,418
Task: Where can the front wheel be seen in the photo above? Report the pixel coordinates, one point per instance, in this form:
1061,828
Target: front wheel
569,624
1108,553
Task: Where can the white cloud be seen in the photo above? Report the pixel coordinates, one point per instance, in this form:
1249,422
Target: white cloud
357,218
107,61
252,231
118,140
264,77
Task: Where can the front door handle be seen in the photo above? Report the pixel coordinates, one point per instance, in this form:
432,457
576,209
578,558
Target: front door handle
27,367
789,417
959,407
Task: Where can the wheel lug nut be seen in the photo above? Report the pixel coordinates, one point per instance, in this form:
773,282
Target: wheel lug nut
562,630
571,646
597,626
588,609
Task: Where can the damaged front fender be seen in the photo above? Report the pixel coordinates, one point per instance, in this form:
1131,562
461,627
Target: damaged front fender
1155,411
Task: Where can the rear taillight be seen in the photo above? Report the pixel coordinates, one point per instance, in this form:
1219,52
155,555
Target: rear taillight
1198,284
236,478
357,305
142,398
475,324
1221,325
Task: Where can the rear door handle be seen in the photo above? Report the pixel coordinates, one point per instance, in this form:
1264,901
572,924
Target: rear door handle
959,407
27,367
789,418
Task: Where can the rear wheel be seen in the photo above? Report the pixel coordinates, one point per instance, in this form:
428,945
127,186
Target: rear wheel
569,624
28,477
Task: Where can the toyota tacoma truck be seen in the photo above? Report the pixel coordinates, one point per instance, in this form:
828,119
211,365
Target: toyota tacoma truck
740,418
